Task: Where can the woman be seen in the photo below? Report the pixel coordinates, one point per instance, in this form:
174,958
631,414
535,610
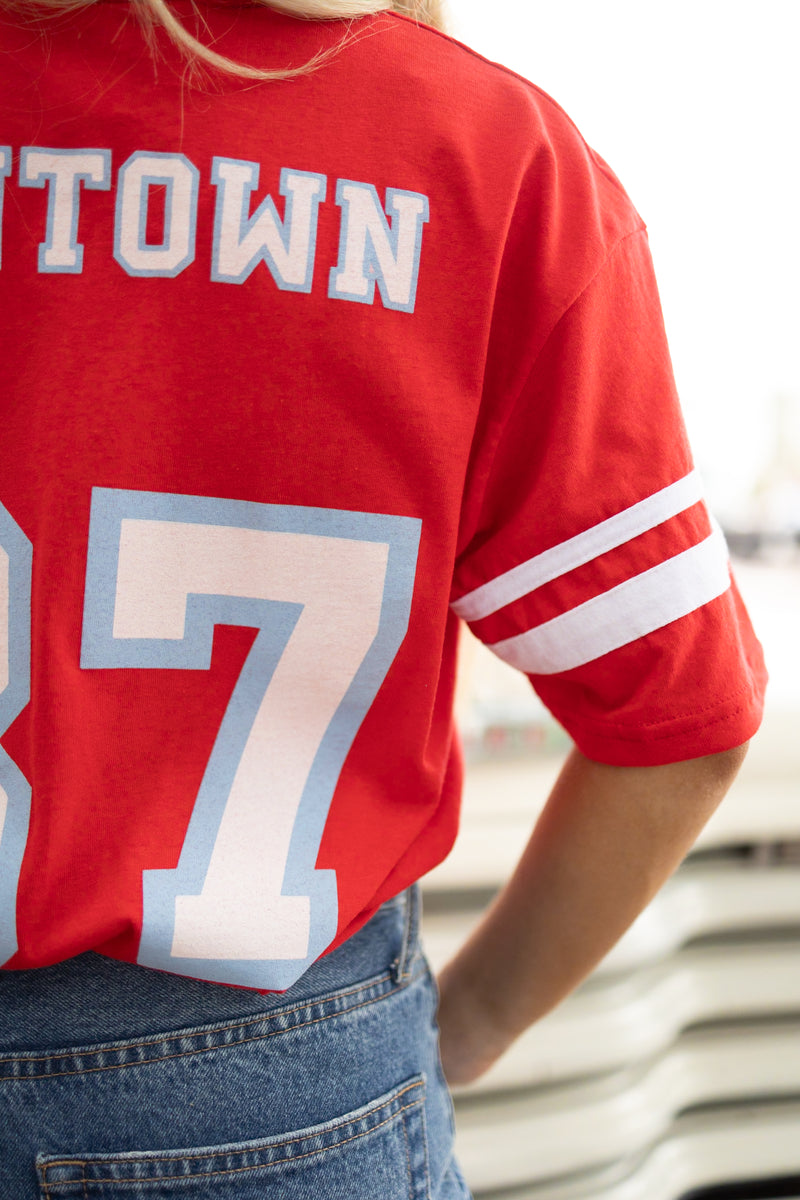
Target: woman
320,335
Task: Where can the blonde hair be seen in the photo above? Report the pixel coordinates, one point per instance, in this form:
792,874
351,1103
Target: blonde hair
157,14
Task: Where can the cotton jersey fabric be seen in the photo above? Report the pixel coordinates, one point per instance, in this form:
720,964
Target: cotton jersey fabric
297,375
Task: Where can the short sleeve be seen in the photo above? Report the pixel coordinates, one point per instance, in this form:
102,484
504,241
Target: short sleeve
594,566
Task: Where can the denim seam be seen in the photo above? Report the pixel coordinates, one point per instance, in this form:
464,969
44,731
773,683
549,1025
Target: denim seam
50,1187
184,1053
173,1035
409,1176
403,964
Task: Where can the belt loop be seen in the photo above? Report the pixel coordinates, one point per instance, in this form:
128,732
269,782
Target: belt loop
403,962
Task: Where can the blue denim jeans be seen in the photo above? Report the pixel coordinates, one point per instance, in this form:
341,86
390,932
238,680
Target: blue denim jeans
118,1082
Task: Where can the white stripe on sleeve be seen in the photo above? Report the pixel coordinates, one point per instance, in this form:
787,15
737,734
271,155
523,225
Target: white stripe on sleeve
615,618
582,548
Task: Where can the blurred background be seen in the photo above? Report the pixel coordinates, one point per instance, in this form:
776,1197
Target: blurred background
674,1072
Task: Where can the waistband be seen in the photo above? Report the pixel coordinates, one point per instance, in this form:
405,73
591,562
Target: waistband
91,998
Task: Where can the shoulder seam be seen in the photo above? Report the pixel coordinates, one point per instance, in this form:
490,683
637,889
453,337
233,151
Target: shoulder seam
502,421
610,254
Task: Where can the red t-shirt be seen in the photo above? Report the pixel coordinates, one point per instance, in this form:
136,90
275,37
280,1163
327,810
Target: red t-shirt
295,375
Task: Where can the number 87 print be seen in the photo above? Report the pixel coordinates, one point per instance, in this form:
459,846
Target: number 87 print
329,592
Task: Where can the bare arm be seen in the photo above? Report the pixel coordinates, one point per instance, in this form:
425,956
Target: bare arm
606,841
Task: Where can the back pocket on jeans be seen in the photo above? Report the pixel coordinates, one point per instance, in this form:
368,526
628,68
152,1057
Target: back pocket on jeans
378,1151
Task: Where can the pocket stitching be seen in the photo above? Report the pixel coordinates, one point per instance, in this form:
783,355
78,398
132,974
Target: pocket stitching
172,1035
417,1084
143,1062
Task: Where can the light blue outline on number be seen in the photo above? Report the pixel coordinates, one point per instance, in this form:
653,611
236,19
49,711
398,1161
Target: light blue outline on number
13,699
370,267
283,228
145,183
49,178
275,621
5,171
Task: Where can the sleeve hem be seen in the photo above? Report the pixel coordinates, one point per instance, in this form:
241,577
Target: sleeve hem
678,741
727,731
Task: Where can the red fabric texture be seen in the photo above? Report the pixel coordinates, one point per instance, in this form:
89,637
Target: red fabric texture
527,397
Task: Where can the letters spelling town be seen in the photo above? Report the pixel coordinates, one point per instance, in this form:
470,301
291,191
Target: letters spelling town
377,244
